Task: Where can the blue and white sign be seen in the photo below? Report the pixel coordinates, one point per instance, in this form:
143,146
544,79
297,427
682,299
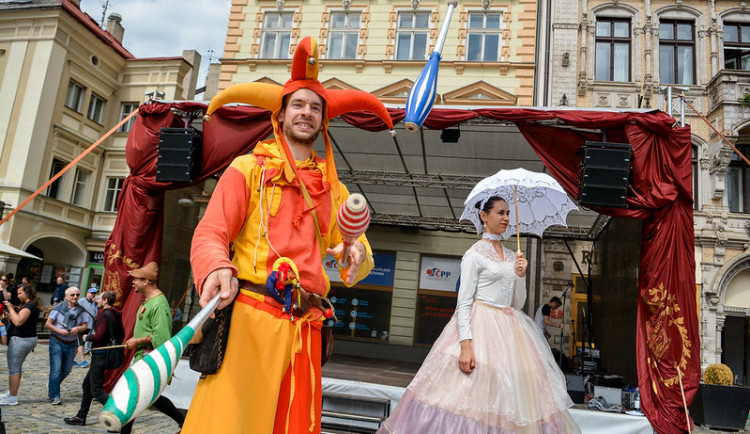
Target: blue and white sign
381,275
440,274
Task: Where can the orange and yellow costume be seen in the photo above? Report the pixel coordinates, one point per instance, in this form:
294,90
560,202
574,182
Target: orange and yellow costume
270,380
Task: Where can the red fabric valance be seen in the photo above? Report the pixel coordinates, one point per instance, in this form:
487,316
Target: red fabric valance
667,338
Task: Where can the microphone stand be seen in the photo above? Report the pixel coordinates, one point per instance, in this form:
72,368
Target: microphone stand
562,329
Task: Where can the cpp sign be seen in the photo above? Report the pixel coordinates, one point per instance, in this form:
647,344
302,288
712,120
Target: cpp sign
437,273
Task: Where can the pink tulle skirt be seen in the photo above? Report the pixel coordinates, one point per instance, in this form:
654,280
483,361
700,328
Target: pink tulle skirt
516,386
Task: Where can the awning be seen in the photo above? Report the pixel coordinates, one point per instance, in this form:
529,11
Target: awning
12,251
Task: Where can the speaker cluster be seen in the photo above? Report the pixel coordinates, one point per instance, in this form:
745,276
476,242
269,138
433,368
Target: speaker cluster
179,155
605,174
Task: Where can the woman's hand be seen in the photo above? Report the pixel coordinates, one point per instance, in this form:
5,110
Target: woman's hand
466,361
521,264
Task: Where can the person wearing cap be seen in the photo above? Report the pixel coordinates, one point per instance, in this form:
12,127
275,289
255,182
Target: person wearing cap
65,322
89,307
153,327
279,201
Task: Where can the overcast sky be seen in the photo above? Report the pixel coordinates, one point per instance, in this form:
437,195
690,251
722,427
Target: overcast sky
164,28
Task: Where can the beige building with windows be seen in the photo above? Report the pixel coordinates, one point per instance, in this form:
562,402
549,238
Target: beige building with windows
488,60
64,83
628,54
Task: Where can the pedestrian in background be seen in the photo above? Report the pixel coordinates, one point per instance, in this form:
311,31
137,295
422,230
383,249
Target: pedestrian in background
153,325
23,339
108,326
3,328
90,310
9,289
59,293
66,320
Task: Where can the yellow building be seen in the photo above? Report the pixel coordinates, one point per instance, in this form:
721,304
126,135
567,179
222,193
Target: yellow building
379,46
64,82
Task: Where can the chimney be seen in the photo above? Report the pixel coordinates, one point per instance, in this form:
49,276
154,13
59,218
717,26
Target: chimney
114,27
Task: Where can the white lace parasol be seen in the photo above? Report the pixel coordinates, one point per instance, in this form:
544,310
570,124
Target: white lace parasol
542,202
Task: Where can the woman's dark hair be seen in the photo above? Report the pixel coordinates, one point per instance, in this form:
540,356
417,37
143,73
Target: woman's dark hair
489,204
31,294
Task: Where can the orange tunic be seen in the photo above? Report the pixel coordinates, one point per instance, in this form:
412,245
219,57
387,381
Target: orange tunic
260,211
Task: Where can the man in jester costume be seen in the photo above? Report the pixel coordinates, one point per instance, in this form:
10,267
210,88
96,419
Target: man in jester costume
266,206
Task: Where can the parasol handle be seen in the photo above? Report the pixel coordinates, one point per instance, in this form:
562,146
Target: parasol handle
518,234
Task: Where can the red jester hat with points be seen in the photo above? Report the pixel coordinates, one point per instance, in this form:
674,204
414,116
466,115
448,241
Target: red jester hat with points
304,75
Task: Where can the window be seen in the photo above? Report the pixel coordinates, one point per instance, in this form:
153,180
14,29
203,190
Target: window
484,37
114,185
74,97
676,52
96,108
737,46
343,35
411,36
738,182
277,35
125,110
79,187
612,50
53,191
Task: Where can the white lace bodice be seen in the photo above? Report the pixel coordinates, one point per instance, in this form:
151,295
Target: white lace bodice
487,277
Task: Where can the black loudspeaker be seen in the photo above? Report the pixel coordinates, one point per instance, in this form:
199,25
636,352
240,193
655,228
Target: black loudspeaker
576,389
179,155
605,173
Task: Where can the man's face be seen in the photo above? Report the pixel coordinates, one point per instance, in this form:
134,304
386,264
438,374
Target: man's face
72,297
139,284
101,302
24,281
302,118
90,296
555,305
59,280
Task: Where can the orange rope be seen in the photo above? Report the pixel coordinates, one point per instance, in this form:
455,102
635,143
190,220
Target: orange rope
682,97
71,164
684,401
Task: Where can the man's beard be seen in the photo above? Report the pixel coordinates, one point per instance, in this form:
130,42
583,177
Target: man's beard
306,139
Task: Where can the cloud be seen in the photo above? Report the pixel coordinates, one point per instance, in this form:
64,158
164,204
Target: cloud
164,28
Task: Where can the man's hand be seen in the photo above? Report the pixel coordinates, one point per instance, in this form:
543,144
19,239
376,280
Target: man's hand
133,343
220,280
356,255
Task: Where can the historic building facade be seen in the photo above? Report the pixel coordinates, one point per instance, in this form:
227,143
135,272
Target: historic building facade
631,54
489,59
64,83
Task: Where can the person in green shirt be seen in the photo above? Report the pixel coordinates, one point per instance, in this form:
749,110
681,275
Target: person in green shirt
153,326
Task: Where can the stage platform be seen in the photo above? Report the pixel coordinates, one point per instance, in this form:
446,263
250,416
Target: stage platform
386,380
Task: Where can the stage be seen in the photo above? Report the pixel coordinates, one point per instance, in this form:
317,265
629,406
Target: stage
373,383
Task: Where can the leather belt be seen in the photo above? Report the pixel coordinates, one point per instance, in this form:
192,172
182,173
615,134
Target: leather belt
63,340
306,300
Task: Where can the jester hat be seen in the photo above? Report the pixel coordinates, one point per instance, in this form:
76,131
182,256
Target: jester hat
304,75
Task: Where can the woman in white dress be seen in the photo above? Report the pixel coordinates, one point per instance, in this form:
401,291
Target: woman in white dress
490,371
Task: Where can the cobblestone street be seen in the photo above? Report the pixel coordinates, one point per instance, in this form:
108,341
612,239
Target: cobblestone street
34,413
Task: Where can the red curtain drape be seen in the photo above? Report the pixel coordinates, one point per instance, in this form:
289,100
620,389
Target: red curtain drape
137,234
668,347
